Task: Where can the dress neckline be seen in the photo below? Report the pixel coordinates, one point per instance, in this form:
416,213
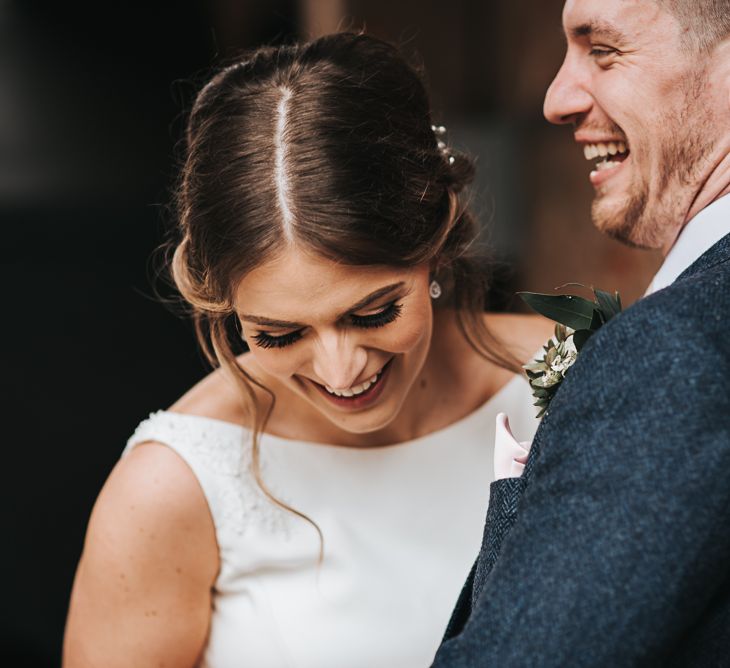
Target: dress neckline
437,435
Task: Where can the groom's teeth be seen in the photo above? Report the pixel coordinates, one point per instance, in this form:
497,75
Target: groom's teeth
604,149
355,390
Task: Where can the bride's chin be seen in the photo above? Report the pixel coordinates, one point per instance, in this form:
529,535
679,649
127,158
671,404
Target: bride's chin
371,421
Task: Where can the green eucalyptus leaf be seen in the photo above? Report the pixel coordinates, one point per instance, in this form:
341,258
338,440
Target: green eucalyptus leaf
580,337
571,311
610,305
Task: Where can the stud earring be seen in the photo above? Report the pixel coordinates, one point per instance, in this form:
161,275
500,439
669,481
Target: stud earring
434,290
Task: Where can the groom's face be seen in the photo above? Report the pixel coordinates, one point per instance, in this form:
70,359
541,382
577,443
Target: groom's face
636,96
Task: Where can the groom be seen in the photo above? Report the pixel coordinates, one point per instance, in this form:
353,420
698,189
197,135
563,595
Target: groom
613,547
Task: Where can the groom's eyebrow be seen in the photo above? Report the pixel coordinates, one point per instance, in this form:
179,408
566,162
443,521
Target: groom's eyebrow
596,28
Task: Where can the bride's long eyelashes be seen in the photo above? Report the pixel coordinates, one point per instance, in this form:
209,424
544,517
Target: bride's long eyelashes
388,314
264,340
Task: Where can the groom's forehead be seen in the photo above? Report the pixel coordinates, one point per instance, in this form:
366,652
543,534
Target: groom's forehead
614,19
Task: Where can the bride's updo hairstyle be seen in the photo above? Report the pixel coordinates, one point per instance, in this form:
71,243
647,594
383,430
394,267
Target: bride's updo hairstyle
328,146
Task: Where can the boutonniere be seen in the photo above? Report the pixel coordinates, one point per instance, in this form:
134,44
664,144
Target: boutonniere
577,320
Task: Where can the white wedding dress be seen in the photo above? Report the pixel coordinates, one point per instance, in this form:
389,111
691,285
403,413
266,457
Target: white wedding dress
402,525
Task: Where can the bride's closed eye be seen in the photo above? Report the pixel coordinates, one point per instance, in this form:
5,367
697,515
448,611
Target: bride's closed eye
377,318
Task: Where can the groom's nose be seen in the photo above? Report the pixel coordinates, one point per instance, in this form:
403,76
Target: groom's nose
568,97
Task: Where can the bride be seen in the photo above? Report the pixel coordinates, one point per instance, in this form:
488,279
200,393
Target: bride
318,500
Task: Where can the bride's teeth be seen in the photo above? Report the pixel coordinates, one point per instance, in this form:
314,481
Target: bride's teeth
355,390
361,388
602,150
612,149
588,152
621,147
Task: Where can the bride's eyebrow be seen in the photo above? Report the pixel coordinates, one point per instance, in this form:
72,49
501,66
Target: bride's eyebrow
372,297
263,321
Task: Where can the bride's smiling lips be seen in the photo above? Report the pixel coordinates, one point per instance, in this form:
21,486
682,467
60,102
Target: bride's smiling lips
365,395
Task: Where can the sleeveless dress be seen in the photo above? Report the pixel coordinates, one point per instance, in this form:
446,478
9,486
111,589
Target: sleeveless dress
402,525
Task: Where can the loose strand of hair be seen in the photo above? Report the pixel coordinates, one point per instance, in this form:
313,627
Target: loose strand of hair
224,357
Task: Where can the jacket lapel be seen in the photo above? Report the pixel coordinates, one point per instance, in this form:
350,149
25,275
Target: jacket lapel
504,497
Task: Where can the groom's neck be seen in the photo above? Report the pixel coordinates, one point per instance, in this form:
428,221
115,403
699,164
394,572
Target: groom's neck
715,186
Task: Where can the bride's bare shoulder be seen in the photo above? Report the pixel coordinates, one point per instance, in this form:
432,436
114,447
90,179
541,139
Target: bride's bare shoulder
150,524
523,335
218,396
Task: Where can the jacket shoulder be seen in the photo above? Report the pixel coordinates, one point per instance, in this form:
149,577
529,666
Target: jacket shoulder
663,363
688,319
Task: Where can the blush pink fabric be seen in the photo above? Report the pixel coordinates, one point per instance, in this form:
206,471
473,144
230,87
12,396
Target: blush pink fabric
510,455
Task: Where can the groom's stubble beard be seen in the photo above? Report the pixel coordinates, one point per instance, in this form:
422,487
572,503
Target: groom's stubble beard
682,159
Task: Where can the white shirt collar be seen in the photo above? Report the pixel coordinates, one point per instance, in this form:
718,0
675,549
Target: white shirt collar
699,235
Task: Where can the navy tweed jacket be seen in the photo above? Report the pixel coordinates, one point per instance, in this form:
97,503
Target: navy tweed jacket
613,548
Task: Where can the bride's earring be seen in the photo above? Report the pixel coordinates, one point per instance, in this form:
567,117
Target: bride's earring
434,290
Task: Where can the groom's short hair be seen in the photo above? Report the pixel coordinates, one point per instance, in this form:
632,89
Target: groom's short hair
707,22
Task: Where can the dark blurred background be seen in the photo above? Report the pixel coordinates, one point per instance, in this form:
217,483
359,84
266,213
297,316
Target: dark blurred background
91,100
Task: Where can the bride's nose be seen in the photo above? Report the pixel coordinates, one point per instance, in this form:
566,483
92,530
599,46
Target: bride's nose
339,360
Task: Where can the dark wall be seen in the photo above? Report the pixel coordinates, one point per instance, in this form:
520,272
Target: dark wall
90,105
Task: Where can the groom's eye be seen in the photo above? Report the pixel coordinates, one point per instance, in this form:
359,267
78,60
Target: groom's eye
601,53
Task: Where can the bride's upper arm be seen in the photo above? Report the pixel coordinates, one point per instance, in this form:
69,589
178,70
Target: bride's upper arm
142,590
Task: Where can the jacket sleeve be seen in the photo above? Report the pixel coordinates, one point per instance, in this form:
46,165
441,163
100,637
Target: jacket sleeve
622,537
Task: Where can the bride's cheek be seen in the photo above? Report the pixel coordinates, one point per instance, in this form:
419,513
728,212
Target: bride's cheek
409,335
277,362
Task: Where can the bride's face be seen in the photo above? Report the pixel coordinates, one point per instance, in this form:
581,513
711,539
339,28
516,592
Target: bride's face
350,341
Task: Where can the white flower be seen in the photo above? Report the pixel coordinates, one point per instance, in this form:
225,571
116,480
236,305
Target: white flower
563,362
548,379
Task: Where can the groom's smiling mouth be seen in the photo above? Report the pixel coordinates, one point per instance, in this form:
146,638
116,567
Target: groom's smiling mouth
608,155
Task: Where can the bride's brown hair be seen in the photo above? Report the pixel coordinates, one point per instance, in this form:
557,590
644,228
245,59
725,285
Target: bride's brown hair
329,146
